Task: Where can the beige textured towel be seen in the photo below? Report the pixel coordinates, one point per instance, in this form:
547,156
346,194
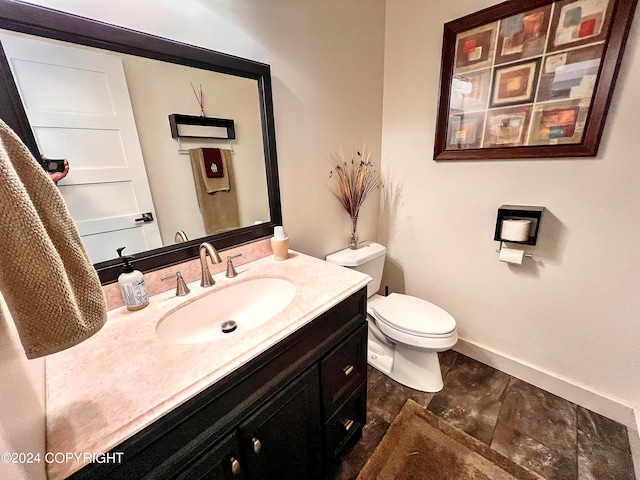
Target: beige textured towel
219,209
50,286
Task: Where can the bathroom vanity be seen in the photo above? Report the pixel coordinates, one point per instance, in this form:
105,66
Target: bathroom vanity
284,401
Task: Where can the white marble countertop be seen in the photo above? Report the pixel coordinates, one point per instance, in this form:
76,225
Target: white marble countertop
125,377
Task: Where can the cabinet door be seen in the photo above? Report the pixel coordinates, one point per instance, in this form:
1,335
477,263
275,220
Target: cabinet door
222,462
282,440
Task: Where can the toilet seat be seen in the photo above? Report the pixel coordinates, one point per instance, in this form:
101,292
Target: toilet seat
414,316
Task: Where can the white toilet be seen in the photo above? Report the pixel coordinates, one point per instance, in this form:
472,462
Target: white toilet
405,332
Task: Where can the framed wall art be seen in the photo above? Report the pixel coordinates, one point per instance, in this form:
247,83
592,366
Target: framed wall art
529,79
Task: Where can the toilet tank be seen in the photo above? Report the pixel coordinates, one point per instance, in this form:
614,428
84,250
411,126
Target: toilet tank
368,258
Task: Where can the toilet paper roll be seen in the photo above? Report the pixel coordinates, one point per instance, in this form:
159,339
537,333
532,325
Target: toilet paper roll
511,255
515,229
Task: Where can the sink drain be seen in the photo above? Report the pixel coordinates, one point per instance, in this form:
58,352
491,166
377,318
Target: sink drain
229,326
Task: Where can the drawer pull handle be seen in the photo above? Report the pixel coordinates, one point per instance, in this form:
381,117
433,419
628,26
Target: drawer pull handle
347,370
257,445
347,424
235,466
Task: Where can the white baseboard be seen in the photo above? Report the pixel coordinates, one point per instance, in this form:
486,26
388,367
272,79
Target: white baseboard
551,382
634,442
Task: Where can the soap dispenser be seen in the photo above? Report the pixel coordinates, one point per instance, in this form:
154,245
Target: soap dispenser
280,244
132,286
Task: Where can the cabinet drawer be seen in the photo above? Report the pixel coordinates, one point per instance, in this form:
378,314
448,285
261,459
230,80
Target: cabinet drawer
346,423
344,369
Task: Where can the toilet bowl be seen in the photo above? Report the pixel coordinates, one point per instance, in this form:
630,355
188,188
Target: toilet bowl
405,336
405,332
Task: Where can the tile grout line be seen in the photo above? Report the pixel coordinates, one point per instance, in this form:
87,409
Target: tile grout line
495,425
577,440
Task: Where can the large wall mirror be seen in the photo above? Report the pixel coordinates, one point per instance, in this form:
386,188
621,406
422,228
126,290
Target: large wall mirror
101,96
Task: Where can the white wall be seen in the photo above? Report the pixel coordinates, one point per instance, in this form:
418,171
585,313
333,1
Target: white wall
572,312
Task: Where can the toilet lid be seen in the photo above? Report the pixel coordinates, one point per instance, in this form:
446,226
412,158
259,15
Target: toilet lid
413,315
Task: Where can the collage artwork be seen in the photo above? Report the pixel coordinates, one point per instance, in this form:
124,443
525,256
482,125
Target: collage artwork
528,79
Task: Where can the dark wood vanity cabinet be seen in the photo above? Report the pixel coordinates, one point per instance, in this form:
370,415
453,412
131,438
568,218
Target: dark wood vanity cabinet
280,440
287,414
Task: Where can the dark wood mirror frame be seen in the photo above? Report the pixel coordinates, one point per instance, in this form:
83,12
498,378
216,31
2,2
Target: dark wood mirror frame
44,22
622,12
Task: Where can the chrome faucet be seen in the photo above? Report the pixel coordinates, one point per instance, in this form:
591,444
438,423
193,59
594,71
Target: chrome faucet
180,237
207,249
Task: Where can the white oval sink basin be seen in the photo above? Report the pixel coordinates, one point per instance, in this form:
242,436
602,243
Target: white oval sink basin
249,303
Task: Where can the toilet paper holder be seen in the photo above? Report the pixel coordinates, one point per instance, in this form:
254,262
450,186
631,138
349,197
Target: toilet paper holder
532,214
526,255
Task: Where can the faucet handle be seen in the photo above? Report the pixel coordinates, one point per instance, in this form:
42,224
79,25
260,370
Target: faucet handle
231,271
181,286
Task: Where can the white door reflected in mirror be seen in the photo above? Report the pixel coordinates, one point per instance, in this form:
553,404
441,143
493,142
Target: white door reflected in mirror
78,106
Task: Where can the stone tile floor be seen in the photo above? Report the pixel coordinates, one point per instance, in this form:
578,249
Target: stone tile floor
539,430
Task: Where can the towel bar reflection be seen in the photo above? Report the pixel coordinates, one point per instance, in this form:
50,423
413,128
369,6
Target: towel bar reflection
185,151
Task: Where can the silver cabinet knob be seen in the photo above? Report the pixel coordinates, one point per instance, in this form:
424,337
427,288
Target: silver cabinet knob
347,370
235,466
347,424
257,446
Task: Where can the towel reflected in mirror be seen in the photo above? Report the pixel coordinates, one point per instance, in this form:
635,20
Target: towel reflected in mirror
217,195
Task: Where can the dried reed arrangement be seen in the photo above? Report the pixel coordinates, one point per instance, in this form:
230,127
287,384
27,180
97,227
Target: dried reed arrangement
200,98
356,178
